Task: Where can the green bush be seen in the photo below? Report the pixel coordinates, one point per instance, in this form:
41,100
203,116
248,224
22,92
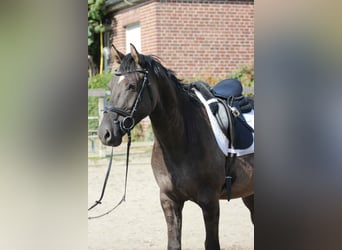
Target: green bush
209,79
93,111
245,75
138,133
99,81
96,82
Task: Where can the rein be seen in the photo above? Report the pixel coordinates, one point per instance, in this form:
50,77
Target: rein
105,183
126,125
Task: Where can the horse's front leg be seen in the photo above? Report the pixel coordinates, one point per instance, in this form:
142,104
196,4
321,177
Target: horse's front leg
211,215
173,215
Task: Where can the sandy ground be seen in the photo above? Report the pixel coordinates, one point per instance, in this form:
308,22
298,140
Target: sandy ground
139,222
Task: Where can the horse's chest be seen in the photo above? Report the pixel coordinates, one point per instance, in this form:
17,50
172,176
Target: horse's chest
181,174
180,180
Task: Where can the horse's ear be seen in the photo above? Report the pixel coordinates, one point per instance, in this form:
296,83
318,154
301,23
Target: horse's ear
118,56
134,54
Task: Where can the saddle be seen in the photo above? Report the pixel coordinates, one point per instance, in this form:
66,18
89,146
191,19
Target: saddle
228,105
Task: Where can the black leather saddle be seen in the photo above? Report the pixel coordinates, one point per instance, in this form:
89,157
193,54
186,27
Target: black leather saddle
227,87
229,109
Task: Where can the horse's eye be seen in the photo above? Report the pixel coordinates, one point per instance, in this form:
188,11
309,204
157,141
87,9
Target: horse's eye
131,87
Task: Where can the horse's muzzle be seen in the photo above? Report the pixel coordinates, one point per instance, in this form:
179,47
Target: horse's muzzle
109,136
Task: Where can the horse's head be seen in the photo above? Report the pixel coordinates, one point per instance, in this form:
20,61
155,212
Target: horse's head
130,101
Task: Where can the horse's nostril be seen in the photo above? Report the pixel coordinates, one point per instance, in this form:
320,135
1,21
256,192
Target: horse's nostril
107,135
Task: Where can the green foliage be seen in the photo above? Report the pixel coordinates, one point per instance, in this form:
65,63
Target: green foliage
96,82
140,134
209,79
93,112
99,81
245,75
96,10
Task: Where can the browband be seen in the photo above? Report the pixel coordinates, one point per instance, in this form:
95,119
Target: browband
119,73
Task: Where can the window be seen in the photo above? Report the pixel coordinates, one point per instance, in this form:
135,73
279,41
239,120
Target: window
133,36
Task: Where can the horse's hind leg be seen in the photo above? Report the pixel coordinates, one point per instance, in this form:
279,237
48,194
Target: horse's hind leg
211,214
249,202
173,215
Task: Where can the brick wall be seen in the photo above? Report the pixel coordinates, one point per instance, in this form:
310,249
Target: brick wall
194,38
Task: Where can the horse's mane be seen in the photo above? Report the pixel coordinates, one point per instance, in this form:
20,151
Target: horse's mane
153,62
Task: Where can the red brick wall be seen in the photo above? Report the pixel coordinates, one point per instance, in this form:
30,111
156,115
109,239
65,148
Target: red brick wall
194,38
145,14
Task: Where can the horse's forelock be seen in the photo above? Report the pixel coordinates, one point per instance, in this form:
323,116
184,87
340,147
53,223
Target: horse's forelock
128,64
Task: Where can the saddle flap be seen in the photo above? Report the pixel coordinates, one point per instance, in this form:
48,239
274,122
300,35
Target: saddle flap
243,136
236,128
227,87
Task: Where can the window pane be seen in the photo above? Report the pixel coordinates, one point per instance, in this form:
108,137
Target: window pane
133,36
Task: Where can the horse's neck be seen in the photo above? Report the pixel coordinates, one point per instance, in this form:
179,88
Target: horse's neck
167,117
170,119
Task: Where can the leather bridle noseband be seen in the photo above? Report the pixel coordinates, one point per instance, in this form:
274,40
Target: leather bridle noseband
127,123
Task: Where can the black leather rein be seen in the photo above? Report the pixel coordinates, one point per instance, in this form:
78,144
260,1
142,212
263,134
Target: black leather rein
126,125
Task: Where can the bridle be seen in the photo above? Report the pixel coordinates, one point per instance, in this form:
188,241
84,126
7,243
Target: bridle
126,125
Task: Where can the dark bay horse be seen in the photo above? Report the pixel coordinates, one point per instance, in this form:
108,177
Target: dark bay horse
186,160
